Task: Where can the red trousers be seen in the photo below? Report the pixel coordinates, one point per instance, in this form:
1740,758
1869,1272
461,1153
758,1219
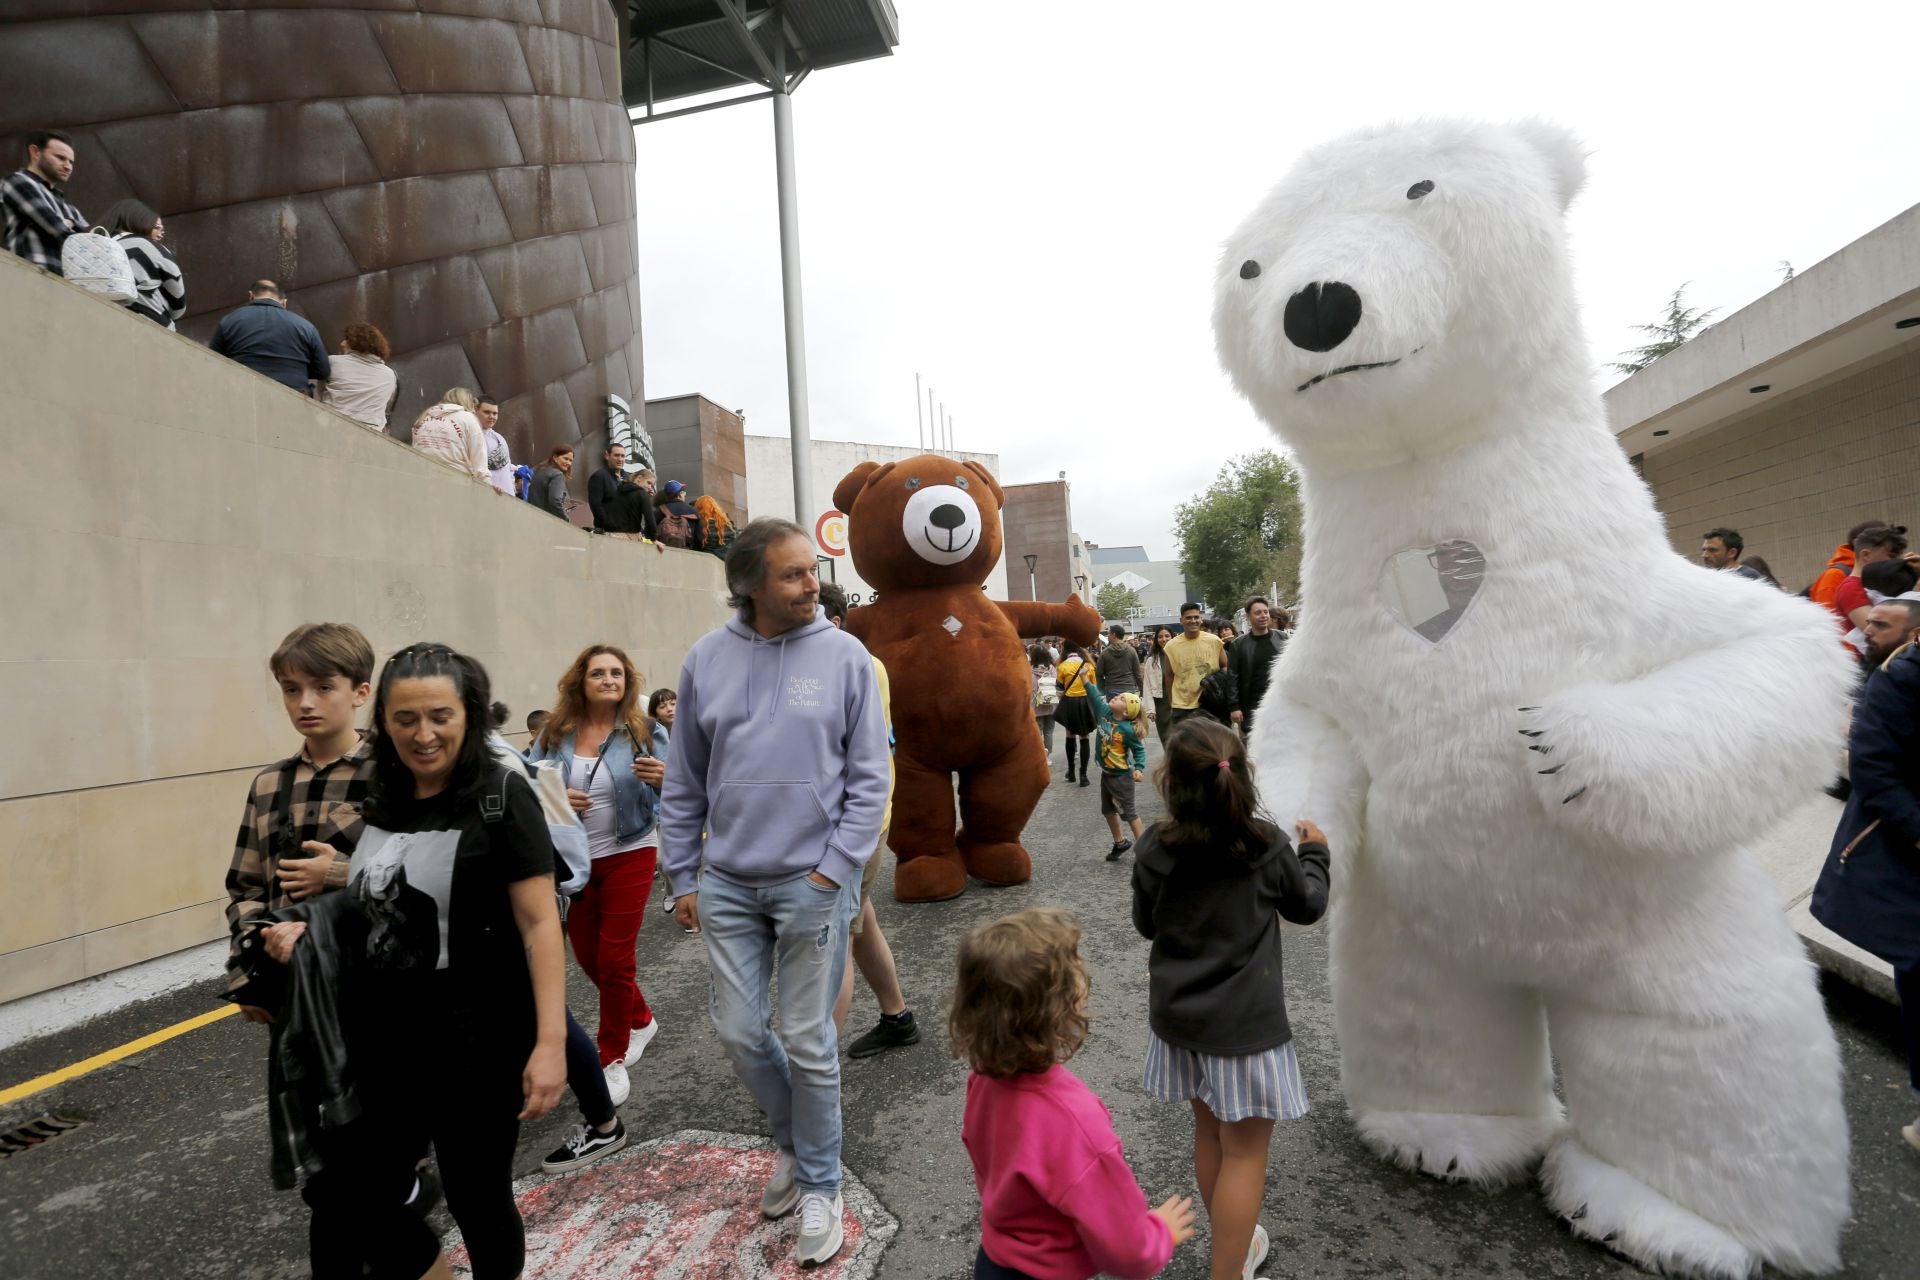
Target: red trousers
603,924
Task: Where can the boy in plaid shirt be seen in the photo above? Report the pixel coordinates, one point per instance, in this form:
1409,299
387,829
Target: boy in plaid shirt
302,818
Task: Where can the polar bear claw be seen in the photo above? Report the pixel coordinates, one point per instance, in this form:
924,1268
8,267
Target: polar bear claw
1488,1151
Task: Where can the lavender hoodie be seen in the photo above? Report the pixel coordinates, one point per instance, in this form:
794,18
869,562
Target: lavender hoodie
779,763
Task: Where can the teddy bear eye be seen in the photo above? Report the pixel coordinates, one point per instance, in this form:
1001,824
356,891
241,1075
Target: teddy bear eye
1249,269
961,481
1420,188
913,482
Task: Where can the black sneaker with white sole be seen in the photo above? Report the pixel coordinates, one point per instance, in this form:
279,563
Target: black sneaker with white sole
583,1146
895,1032
1119,847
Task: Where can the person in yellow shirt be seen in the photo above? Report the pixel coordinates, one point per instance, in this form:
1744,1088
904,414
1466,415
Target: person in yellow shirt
871,954
1073,713
1191,657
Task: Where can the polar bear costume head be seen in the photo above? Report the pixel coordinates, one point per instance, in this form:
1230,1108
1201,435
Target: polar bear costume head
1407,277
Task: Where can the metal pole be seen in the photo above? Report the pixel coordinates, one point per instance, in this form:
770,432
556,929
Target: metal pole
943,427
930,418
796,323
919,419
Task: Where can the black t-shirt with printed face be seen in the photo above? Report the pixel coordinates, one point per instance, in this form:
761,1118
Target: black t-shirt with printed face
457,866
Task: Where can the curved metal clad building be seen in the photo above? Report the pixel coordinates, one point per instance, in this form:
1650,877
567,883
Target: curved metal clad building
458,172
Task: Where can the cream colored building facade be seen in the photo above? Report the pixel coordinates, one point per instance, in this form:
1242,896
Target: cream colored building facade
171,516
1794,418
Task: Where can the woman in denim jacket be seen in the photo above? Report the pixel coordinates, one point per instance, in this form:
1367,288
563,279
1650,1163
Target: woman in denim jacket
613,758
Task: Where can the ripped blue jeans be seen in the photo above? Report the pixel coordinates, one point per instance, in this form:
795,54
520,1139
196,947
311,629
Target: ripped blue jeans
799,931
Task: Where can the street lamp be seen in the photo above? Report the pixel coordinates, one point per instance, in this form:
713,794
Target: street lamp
1033,587
1080,585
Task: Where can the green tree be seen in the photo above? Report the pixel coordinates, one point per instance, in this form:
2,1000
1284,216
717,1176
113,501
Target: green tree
1115,600
1667,334
1243,534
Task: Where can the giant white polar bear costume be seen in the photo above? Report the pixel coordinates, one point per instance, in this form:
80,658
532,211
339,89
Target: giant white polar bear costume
1535,736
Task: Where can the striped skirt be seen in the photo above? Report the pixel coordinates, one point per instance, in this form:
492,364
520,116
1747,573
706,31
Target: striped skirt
1265,1085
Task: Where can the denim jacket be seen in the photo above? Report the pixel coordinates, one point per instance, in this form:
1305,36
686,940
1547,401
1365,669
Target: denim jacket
634,802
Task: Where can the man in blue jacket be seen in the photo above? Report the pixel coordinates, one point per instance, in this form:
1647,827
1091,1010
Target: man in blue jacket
773,801
1869,889
271,340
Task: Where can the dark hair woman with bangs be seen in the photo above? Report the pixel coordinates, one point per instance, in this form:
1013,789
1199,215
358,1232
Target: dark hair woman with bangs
455,1018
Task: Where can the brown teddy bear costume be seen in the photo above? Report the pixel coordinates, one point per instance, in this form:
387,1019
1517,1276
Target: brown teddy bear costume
925,533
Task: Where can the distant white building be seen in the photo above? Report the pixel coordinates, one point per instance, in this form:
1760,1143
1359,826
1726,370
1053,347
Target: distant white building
770,493
1160,584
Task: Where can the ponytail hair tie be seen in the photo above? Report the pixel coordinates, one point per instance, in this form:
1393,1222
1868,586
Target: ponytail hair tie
1225,765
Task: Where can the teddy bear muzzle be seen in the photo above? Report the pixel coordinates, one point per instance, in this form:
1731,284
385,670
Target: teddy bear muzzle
941,523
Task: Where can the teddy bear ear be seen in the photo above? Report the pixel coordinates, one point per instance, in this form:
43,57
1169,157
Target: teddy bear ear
999,498
854,481
1566,158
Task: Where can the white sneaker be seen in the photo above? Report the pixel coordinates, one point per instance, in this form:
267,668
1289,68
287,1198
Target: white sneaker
821,1233
638,1041
782,1191
618,1086
1256,1252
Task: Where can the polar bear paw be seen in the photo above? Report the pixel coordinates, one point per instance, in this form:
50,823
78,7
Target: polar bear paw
1557,775
1485,1150
1615,1209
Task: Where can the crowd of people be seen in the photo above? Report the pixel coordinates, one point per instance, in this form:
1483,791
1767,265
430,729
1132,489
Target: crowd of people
264,335
402,896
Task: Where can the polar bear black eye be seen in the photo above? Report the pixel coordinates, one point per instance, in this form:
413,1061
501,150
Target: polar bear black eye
913,482
1249,269
961,481
1420,188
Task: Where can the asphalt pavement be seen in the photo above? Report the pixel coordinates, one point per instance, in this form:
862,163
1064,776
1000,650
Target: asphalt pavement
168,1177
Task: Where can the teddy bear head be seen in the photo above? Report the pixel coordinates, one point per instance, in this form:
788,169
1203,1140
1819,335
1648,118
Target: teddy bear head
925,522
1400,283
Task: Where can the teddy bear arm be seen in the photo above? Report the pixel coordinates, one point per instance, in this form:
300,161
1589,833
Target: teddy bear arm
1035,618
1638,763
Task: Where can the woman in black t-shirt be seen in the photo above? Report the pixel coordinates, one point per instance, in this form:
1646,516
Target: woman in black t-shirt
456,1025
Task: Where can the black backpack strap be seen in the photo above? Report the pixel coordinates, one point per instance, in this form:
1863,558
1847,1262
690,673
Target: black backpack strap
493,801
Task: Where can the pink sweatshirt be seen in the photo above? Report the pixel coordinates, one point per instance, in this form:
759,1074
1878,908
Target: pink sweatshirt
1057,1199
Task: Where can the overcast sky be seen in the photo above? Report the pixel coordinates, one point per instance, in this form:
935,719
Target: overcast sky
1025,203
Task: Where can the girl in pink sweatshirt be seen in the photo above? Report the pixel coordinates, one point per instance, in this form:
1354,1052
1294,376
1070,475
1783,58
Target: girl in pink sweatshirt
1057,1200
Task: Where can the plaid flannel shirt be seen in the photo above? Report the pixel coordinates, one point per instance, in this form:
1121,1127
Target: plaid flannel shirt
323,804
38,217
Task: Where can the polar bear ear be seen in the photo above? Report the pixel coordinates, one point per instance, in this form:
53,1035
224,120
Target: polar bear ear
1566,158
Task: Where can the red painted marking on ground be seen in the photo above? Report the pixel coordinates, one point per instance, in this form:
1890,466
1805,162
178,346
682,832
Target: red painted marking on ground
679,1210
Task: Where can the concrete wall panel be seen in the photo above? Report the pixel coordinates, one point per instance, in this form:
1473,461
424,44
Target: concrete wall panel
223,512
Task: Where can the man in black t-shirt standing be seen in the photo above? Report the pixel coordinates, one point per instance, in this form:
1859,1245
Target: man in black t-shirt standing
1251,658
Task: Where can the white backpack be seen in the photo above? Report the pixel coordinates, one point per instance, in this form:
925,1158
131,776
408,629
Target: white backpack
98,263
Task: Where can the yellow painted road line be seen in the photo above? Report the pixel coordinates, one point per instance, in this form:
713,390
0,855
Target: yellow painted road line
75,1071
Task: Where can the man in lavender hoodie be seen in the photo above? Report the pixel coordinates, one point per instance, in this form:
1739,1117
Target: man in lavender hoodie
772,803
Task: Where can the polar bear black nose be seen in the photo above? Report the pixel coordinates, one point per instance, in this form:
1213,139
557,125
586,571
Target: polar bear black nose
948,516
1320,316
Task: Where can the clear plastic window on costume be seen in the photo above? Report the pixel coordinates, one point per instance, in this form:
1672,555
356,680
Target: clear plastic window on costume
1429,588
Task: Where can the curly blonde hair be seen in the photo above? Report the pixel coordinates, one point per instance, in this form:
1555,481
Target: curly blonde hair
1020,1002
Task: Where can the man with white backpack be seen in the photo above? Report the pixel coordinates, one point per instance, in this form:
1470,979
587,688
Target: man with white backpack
39,217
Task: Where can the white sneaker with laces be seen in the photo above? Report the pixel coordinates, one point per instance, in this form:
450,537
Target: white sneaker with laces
782,1191
1256,1252
618,1086
638,1041
821,1233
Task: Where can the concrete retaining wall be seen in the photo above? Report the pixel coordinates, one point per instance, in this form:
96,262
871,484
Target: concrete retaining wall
169,517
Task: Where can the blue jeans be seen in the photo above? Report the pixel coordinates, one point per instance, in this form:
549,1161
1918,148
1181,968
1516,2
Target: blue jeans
799,930
584,1076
